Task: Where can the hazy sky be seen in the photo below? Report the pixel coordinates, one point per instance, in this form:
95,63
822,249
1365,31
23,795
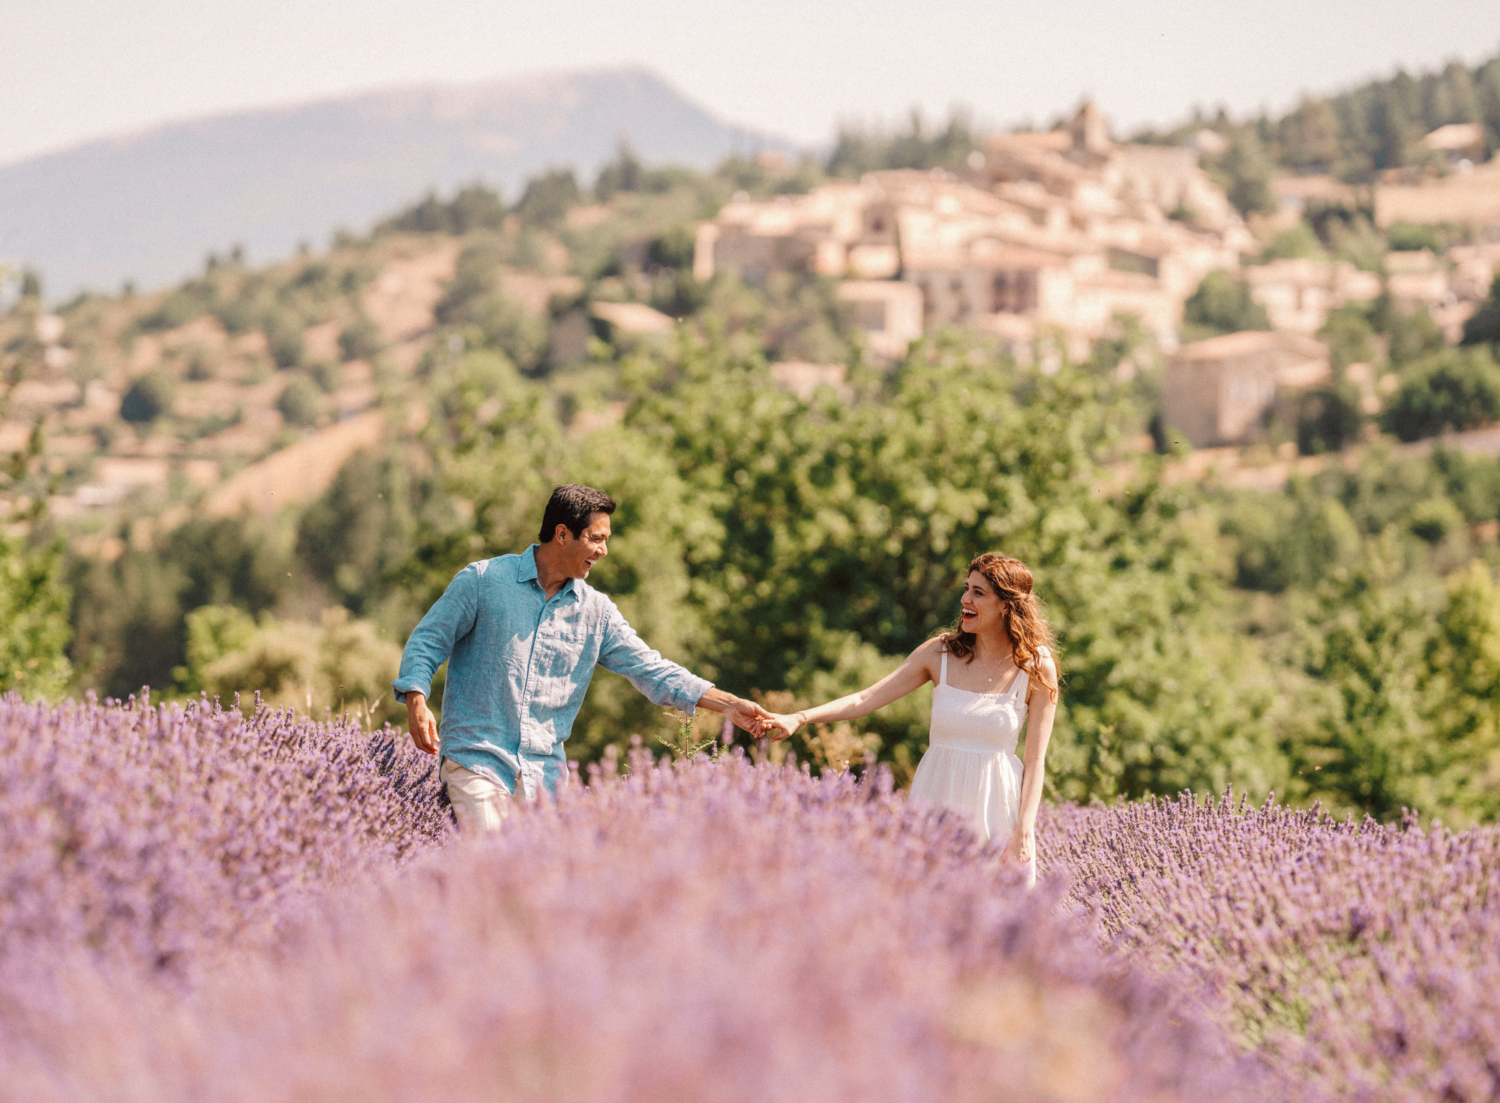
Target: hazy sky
77,69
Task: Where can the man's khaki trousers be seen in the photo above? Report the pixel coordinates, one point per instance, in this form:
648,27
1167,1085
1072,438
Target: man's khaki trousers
480,804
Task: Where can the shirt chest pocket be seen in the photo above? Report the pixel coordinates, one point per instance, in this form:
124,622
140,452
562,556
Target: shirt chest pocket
566,637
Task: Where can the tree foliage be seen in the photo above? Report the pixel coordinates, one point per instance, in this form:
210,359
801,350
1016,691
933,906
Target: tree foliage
1457,389
1222,304
34,629
858,150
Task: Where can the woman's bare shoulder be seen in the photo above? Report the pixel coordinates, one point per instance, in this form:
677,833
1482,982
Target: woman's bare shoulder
1046,666
928,654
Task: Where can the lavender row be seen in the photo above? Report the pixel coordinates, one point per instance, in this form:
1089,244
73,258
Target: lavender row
715,931
156,836
1361,957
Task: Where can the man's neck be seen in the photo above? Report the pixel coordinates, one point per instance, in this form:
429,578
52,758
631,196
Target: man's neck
550,575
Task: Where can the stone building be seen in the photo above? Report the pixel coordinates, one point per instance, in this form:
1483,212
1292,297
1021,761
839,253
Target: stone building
889,311
1223,391
1299,293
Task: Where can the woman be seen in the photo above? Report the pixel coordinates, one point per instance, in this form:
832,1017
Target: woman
1001,675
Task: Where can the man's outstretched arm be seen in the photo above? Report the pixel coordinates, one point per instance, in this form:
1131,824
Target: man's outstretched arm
664,682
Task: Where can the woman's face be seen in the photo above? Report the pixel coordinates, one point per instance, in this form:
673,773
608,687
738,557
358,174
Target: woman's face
983,612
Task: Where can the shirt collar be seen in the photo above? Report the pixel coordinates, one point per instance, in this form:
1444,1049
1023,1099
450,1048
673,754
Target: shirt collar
526,571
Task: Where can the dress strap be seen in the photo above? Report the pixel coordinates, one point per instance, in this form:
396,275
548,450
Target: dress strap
943,669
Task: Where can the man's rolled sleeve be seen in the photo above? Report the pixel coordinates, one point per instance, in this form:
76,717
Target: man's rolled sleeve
660,680
431,642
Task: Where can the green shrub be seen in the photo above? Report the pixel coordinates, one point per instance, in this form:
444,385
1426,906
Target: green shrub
148,398
300,401
284,338
237,316
475,207
1484,326
1222,304
1456,389
1435,520
361,339
1328,419
177,309
548,197
1295,241
673,249
1409,237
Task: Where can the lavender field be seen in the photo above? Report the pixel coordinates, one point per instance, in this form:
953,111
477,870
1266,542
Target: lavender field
197,906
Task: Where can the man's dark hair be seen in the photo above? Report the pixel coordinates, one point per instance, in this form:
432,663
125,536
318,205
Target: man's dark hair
573,505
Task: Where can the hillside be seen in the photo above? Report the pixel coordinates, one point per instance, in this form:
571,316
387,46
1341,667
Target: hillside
147,207
263,475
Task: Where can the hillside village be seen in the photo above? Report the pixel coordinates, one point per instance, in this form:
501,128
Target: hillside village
1042,241
1053,238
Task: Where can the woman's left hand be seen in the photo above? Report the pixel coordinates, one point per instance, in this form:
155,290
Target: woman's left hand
1021,848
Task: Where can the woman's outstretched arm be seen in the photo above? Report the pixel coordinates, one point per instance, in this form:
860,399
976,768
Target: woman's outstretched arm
916,671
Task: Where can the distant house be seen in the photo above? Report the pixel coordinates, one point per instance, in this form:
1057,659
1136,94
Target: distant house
1456,143
804,379
1298,293
1223,391
1472,197
889,311
635,319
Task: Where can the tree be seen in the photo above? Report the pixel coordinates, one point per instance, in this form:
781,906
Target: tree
284,337
1309,137
1356,732
1328,418
548,197
1461,696
149,398
858,150
1222,304
300,402
475,207
1456,389
34,629
1484,326
361,528
361,339
1245,171
623,174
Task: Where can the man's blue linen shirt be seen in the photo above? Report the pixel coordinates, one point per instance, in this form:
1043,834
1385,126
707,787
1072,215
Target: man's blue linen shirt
519,666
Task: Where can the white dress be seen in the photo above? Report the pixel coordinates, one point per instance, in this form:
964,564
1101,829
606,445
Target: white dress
971,764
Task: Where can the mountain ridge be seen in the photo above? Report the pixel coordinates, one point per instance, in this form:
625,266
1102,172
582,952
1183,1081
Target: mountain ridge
146,206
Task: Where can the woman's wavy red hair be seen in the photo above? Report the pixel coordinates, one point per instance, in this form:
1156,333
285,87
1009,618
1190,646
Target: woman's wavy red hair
1029,632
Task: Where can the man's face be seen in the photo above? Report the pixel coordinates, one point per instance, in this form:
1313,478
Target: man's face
580,553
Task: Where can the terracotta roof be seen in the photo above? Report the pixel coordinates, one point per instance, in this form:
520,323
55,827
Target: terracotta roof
1251,340
1454,138
634,317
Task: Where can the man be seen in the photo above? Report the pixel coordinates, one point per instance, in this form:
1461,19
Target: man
521,635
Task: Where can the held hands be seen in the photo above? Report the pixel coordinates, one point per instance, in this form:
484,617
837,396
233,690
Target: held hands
779,726
747,715
421,723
